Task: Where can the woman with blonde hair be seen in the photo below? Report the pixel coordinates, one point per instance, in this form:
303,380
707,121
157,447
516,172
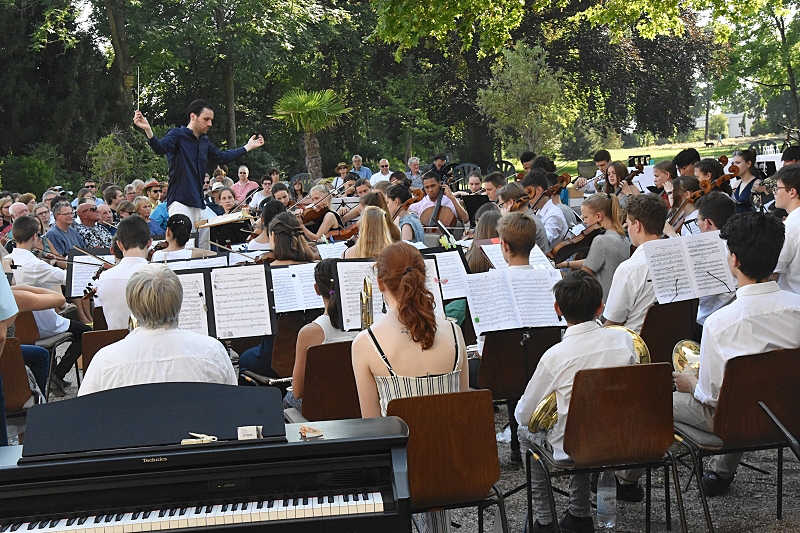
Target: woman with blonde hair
327,219
379,200
485,229
373,234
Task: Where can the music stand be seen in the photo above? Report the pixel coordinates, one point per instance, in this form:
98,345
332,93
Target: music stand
472,203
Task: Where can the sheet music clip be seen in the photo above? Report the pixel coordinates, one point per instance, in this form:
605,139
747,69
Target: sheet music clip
199,438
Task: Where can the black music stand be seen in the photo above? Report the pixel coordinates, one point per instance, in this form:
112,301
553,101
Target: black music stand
229,234
472,203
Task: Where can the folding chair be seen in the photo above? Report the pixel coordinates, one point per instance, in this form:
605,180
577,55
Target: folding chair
666,324
329,386
92,341
607,407
452,452
27,332
739,425
283,346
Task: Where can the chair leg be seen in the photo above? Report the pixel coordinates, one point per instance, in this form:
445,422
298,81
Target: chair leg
678,495
780,484
528,489
480,519
667,503
501,509
698,471
648,481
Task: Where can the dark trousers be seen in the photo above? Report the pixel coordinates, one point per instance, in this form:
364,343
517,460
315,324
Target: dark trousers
38,360
258,359
74,351
3,431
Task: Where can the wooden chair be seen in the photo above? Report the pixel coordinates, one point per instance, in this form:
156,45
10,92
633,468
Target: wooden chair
16,389
452,452
330,387
665,325
27,332
619,418
92,341
283,346
739,424
98,319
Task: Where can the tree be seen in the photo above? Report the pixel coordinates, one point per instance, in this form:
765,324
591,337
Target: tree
310,113
526,100
718,125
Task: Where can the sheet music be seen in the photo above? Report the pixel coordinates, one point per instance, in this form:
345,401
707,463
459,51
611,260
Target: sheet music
284,291
432,285
538,259
452,275
209,262
351,280
194,313
332,251
708,255
82,274
465,243
417,245
242,257
303,276
490,305
495,255
532,292
241,302
577,229
669,270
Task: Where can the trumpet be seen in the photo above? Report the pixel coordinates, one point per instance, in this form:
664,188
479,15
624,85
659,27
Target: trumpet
545,415
686,357
366,304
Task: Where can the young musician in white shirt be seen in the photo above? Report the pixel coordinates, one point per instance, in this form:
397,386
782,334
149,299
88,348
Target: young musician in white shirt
517,232
555,224
432,186
579,298
713,211
631,293
787,196
133,240
763,318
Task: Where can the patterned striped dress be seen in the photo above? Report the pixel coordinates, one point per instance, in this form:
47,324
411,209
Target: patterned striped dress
394,386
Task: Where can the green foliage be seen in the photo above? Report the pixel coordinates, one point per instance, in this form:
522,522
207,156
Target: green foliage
526,100
34,171
718,125
310,111
120,157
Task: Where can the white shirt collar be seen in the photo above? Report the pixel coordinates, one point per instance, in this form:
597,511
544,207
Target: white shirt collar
755,289
583,327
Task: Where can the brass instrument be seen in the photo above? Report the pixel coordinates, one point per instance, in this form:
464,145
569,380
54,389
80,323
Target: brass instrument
545,415
686,357
366,304
132,323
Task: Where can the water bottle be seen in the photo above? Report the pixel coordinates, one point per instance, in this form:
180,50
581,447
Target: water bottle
606,500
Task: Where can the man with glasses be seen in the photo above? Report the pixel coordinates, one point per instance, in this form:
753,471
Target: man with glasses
95,235
362,171
42,212
383,174
244,186
153,191
91,185
62,235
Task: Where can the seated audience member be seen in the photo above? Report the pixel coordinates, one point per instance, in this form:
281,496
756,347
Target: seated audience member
555,224
133,240
761,319
94,235
492,183
321,331
609,250
787,196
143,209
409,351
126,209
517,233
179,228
373,235
264,194
156,351
62,235
268,212
586,345
631,293
409,223
485,229
713,211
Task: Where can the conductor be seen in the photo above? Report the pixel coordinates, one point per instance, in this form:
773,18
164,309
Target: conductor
189,151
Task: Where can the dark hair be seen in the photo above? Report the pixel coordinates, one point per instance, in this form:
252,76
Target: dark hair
363,181
620,171
716,207
133,232
747,155
293,192
324,274
650,210
682,185
197,106
280,186
536,178
488,206
181,228
495,178
109,193
602,155
756,240
792,153
578,295
545,163
431,176
685,157
511,191
289,243
270,210
402,271
709,165
668,167
526,156
398,191
377,199
485,228
397,174
789,175
266,177
518,232
25,228
273,171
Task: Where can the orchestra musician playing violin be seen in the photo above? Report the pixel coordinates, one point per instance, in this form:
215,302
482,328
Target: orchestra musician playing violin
601,215
536,184
438,195
177,235
616,184
511,198
320,218
683,216
708,170
373,235
492,183
271,209
409,223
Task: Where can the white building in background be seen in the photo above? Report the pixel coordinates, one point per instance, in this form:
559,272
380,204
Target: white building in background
738,124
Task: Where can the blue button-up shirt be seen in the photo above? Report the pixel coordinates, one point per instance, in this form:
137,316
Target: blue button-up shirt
363,172
188,158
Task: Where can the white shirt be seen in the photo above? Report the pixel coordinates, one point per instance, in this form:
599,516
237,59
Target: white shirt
763,318
164,255
158,356
378,177
331,332
631,293
555,224
585,345
426,202
33,271
788,267
259,197
111,291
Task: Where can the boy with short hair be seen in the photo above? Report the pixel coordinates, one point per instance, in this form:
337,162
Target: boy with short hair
713,211
517,232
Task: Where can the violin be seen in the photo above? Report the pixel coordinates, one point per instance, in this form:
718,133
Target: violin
416,196
706,186
563,181
343,234
577,246
90,291
163,245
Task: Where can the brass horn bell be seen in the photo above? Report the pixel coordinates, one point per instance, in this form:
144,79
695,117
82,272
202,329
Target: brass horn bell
686,356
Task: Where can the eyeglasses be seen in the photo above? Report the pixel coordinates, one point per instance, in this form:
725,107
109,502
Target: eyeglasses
90,186
156,191
64,214
384,166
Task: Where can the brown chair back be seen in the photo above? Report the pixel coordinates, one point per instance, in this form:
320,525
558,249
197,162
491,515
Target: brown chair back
330,387
25,328
16,388
92,341
98,319
507,365
452,451
620,414
773,378
284,341
665,325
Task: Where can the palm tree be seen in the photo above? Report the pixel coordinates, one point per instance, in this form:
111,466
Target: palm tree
310,112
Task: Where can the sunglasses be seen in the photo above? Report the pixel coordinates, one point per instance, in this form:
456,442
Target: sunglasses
90,186
156,191
384,166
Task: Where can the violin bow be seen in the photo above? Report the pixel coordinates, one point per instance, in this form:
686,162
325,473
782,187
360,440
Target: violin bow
92,255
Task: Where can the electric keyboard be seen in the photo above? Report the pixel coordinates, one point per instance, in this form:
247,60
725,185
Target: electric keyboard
353,479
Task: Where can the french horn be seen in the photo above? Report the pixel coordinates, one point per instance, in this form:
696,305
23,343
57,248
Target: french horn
545,415
366,304
686,356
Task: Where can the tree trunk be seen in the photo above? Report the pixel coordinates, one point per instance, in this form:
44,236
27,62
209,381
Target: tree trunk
121,65
230,100
708,112
313,157
790,74
479,143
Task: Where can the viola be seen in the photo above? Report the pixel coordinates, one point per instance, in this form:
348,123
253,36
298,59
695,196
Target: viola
577,246
343,234
416,196
312,213
156,247
706,186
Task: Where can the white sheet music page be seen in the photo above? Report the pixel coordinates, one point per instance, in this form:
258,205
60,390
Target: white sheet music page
491,304
452,275
284,291
538,259
243,257
194,314
351,280
532,289
708,257
303,278
241,302
210,262
82,274
669,270
495,255
332,251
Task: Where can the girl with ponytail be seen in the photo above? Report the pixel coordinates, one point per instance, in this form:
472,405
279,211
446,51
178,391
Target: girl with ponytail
608,250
